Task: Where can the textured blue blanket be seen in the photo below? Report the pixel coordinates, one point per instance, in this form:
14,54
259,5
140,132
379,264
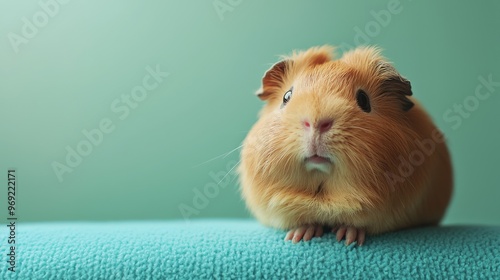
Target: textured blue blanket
241,249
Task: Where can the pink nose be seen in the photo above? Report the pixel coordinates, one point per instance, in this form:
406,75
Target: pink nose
322,126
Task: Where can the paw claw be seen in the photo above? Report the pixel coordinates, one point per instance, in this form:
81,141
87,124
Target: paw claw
289,235
350,234
305,233
340,233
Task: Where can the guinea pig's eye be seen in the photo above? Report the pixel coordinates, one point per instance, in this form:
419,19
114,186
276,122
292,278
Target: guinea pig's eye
287,96
363,101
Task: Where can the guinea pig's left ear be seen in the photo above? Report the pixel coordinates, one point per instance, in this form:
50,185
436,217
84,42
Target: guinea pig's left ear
394,83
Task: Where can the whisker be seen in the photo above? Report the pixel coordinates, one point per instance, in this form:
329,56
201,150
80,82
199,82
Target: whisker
228,172
230,152
224,155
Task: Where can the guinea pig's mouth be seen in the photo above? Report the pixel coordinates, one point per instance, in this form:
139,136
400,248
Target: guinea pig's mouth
317,162
318,159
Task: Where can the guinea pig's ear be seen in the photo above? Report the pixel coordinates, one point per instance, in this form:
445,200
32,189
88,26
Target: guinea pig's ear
369,60
273,79
394,83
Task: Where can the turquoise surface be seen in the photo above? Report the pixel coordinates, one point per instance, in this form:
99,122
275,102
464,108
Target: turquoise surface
241,249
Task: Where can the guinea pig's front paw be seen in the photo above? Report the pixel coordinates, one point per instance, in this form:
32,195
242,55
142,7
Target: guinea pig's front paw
305,233
351,234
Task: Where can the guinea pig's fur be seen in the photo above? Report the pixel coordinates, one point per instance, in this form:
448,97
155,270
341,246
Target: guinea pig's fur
390,168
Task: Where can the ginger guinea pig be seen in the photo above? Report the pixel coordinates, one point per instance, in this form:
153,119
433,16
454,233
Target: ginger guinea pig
341,144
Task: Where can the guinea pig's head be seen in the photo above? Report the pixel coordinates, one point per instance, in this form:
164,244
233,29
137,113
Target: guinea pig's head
324,118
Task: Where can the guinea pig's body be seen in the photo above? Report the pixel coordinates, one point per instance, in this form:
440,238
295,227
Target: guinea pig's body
341,144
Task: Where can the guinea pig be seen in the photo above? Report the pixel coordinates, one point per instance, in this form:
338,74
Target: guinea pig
342,145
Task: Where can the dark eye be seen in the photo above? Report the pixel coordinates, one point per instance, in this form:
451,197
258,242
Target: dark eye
287,96
363,101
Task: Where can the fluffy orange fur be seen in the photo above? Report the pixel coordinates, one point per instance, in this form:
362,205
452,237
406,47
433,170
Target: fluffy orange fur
367,148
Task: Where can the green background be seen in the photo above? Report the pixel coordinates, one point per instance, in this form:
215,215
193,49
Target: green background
89,53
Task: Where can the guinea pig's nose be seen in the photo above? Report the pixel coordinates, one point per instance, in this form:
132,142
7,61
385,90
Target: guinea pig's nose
307,124
324,125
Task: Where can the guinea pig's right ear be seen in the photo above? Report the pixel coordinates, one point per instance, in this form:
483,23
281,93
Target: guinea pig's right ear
273,79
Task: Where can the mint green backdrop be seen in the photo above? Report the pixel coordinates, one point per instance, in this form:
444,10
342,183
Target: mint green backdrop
70,67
